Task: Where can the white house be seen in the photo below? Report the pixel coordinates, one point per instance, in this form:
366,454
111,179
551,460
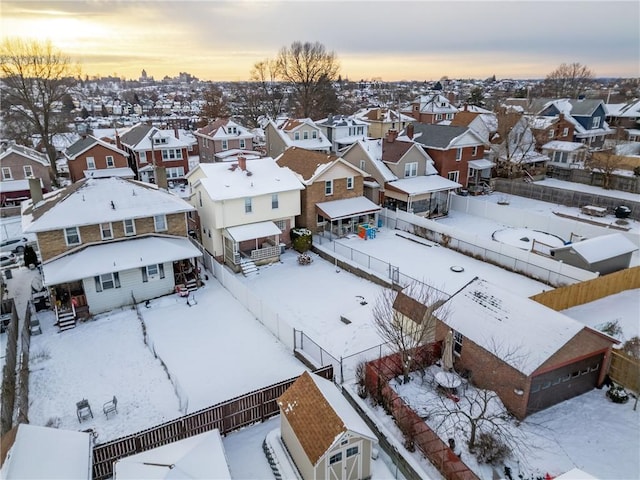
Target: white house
245,209
342,130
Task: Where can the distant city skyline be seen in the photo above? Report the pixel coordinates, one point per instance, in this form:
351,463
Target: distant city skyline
391,41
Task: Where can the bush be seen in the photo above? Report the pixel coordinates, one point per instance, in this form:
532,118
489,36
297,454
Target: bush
612,328
618,394
301,238
29,256
361,380
490,449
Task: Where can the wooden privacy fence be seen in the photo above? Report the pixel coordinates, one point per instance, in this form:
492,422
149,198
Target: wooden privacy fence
625,370
584,292
227,416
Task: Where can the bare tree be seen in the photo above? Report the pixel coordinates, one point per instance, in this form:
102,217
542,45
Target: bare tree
215,105
35,79
513,142
606,161
307,68
568,80
407,320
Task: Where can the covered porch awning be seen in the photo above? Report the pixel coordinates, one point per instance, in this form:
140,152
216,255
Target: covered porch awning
420,186
346,208
116,257
482,164
252,231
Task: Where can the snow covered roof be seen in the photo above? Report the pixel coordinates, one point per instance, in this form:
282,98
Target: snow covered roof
250,231
85,143
347,207
596,249
521,332
117,256
26,152
319,415
51,453
287,128
200,456
562,146
97,200
124,172
444,137
481,164
233,154
16,185
263,176
423,184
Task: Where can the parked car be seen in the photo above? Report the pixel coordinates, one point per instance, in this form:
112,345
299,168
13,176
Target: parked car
7,259
13,245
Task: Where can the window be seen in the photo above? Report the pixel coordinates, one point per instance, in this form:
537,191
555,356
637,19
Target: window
175,172
453,176
363,163
160,223
143,157
411,169
449,116
129,227
328,187
274,201
550,133
296,136
474,151
107,281
314,134
560,157
91,163
458,154
72,236
106,232
439,116
110,162
360,131
225,145
243,143
595,122
172,154
281,224
28,171
248,208
6,173
152,272
457,342
349,183
305,135
351,451
335,458
565,132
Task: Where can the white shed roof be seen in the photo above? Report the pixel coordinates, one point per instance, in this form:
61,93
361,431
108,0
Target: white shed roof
601,248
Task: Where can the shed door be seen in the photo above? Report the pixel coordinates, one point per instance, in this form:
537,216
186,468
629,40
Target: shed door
345,463
564,383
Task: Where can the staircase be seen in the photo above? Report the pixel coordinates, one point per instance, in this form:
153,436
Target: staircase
248,267
66,320
192,285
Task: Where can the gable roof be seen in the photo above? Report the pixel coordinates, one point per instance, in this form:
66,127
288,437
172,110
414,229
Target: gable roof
306,163
135,134
601,248
85,143
319,415
286,128
382,114
28,153
441,137
223,181
220,128
521,332
89,201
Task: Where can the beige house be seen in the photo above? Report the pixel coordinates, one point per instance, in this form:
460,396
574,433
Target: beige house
324,435
295,132
332,200
381,120
245,210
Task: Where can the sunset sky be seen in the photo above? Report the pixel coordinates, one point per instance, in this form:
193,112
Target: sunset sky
391,40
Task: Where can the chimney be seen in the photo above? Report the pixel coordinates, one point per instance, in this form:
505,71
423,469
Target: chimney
161,177
118,143
36,190
392,135
176,132
242,163
410,131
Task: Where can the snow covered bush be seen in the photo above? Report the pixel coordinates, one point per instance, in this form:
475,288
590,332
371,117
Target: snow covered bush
301,238
490,449
617,394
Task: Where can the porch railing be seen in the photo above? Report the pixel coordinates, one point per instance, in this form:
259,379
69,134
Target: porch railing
267,252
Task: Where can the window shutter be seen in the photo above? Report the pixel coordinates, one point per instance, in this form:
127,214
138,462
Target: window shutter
116,279
98,284
161,269
145,278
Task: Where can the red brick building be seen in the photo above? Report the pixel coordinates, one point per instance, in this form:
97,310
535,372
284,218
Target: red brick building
90,156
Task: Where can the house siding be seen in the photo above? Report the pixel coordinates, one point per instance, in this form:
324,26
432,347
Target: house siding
130,284
15,162
445,162
275,144
295,450
78,165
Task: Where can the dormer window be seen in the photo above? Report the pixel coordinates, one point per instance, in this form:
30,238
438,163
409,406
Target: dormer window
595,123
443,104
233,130
160,140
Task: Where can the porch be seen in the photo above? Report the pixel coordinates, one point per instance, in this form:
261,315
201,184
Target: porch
427,196
340,218
479,178
257,243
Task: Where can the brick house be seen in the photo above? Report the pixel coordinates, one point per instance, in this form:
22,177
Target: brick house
431,109
222,136
90,156
333,195
324,435
104,240
450,147
19,164
532,356
294,132
149,147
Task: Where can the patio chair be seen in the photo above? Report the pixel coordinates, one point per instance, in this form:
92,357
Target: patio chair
110,407
83,410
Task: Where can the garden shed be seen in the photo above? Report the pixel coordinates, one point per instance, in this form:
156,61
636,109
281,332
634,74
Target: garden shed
604,254
532,356
324,435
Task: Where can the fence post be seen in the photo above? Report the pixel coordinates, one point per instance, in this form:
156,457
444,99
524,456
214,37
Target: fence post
341,372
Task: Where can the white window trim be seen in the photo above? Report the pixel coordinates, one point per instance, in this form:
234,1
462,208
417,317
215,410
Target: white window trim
29,168
6,173
350,183
458,154
112,162
124,226
143,157
110,237
66,236
91,163
328,187
275,201
248,205
411,169
474,152
155,223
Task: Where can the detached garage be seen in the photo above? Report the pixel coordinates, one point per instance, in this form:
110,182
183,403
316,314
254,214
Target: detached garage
605,254
324,435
